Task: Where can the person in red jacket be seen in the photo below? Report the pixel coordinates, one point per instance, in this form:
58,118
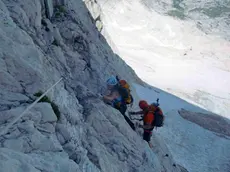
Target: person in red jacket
148,119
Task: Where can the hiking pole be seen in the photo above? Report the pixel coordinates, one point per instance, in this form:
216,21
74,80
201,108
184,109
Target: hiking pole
27,109
158,102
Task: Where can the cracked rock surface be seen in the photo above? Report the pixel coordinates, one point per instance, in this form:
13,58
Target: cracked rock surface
40,42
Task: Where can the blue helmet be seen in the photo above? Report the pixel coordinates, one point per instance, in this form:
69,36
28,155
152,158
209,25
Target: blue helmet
112,81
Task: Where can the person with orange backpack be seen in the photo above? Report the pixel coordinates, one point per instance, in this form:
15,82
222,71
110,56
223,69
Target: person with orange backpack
117,98
123,83
152,117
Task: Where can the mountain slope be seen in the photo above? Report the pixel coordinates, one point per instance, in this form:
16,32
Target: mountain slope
173,54
181,47
71,129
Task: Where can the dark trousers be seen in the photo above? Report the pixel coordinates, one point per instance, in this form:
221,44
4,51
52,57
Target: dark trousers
123,109
147,135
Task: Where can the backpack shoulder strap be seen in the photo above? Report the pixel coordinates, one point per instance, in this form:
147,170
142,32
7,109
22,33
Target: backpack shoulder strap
123,92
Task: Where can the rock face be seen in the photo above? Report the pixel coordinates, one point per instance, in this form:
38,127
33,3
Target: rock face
95,11
40,42
49,8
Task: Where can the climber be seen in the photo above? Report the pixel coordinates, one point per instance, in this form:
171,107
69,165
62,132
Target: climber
116,97
123,83
152,116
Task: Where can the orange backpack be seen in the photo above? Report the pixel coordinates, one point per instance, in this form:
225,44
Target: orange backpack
125,85
158,114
